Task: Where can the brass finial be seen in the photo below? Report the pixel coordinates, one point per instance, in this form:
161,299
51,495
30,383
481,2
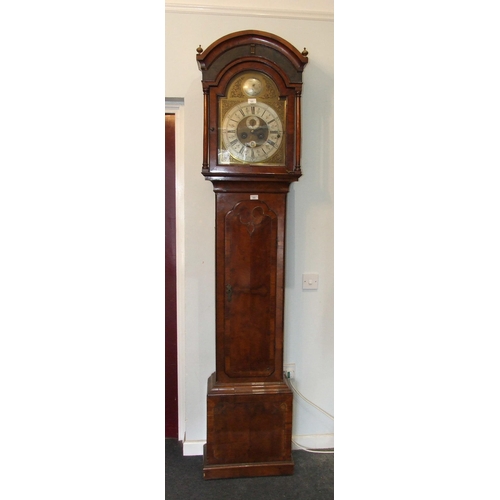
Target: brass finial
199,49
304,52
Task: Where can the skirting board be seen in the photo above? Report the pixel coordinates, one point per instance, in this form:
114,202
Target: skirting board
313,441
191,448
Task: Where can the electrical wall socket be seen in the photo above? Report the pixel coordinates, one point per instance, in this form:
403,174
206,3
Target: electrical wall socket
289,370
310,281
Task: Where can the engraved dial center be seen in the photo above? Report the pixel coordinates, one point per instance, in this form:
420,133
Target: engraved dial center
252,132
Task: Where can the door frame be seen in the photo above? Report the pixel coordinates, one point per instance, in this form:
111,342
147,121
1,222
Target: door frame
175,105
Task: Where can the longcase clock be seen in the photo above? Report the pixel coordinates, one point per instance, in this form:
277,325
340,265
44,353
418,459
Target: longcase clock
252,84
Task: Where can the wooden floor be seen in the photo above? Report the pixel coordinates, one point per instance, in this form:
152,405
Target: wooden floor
313,479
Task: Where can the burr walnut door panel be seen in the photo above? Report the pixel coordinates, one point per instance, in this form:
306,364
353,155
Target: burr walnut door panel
250,272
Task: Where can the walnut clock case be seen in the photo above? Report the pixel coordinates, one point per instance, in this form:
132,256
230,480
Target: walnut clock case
252,83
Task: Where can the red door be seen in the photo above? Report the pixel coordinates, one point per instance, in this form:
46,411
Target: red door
171,419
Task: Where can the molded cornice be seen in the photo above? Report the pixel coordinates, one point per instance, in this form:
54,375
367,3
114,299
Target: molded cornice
217,10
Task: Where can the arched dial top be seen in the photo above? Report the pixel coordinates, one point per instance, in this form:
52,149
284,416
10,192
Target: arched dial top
252,128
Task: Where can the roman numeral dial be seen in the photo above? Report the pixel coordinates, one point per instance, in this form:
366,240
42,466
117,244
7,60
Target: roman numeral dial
251,133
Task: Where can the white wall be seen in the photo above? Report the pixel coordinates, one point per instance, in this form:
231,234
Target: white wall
308,314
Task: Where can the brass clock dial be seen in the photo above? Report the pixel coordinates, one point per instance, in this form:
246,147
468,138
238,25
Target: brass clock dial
251,122
251,133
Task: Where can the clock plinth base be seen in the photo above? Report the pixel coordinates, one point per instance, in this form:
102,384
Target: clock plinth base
249,431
